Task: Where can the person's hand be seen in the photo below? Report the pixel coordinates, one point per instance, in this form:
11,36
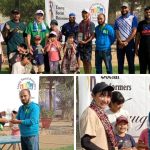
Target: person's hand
7,27
83,42
3,120
15,121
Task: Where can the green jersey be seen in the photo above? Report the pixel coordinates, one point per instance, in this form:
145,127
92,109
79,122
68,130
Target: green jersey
43,34
16,35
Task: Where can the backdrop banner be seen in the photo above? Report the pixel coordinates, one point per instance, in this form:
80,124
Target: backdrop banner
135,89
10,87
60,9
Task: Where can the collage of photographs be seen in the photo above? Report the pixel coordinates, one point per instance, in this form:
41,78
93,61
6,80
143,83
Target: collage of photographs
74,74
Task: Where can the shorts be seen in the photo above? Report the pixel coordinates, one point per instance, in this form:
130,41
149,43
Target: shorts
85,52
38,68
54,67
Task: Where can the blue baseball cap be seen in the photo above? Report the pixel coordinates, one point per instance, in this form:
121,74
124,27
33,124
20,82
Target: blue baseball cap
72,14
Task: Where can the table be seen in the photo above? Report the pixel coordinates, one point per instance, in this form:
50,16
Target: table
10,139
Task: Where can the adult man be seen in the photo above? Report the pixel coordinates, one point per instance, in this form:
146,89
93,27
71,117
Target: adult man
38,27
85,36
143,40
13,34
105,37
28,120
95,129
70,27
125,26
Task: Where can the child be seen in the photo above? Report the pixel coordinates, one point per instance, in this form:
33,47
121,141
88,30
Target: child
20,66
115,108
1,51
3,113
53,48
38,57
69,63
125,141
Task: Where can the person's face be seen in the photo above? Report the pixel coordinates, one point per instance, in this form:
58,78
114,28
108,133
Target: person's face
116,107
102,101
52,39
122,127
37,42
53,27
16,16
70,40
25,97
101,19
25,61
39,17
72,19
147,14
124,10
85,15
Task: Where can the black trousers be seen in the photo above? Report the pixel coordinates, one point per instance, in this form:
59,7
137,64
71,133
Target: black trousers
144,61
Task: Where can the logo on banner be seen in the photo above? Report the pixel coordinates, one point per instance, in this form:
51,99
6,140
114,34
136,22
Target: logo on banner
96,9
26,83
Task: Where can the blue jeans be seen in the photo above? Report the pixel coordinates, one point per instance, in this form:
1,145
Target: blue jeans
130,53
103,56
30,143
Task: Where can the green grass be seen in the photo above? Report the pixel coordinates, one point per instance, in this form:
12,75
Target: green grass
115,70
63,148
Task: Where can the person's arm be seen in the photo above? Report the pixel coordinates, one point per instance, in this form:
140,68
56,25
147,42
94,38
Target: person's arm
137,42
87,144
112,35
34,118
134,29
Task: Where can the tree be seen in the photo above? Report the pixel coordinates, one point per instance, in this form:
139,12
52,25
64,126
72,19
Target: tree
27,7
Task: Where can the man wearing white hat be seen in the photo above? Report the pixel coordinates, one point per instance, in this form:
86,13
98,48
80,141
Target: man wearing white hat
37,27
126,27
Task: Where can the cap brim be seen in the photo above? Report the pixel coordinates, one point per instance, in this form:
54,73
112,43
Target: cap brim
108,88
122,121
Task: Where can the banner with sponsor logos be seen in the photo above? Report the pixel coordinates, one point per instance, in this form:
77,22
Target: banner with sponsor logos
60,9
135,89
10,87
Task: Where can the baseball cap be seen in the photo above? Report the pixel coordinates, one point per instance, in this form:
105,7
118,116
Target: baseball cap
102,86
37,37
124,4
53,21
15,11
40,12
85,10
120,119
72,14
53,33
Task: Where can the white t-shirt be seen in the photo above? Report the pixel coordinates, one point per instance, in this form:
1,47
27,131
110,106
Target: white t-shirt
91,125
18,68
113,116
1,40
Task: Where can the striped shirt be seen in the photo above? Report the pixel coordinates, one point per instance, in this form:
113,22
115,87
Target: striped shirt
125,25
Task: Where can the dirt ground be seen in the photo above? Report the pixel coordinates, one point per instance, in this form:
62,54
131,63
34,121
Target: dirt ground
60,134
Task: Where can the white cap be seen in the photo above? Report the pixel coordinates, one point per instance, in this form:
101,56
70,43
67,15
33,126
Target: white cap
53,32
15,109
86,10
39,12
125,4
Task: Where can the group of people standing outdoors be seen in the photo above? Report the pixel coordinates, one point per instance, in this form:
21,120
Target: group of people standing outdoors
44,43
